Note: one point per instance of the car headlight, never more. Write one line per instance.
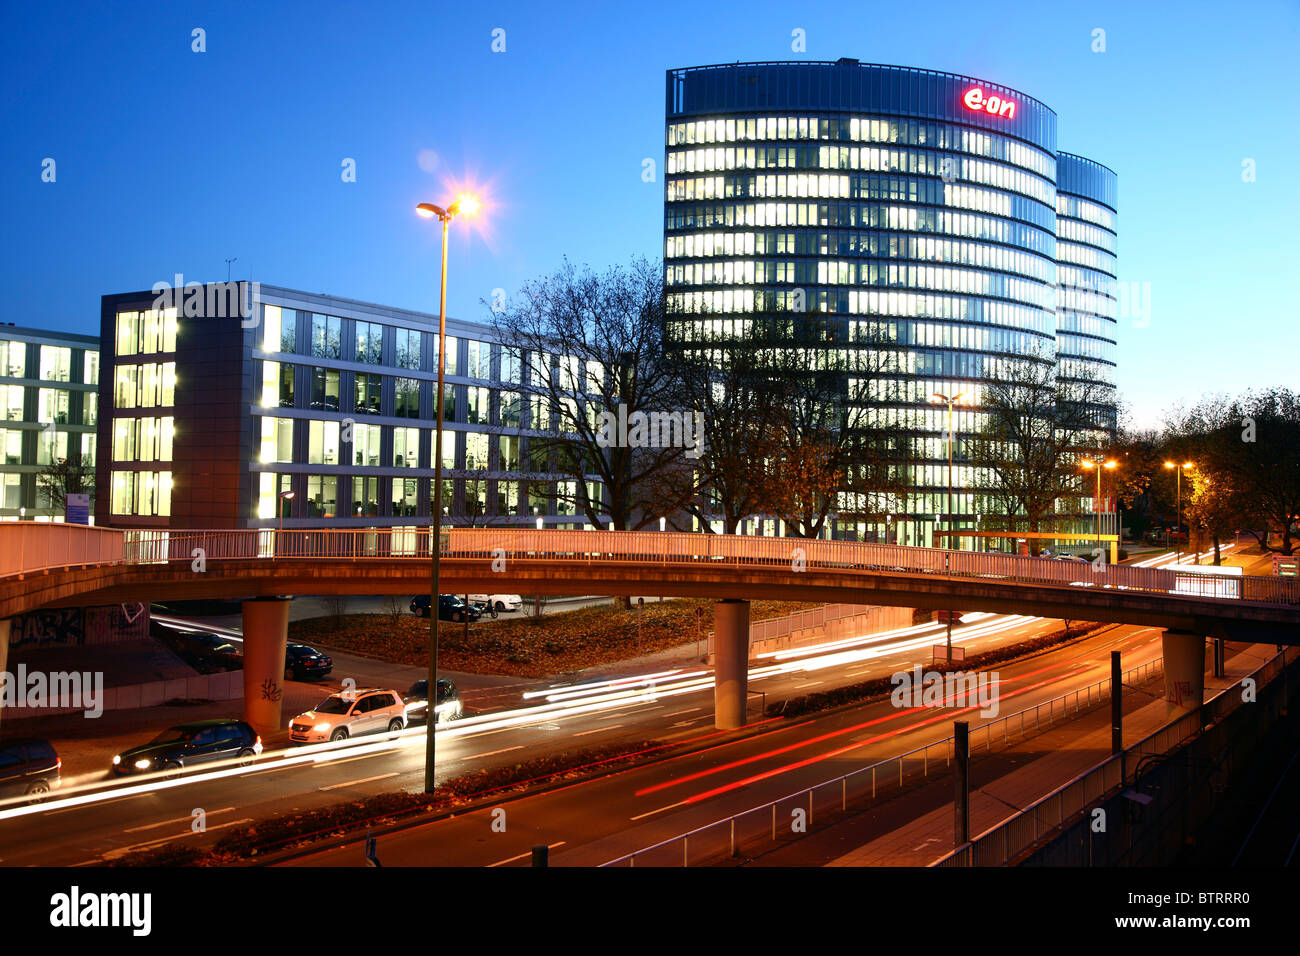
(117, 759)
(142, 763)
(321, 727)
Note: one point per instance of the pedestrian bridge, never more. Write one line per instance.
(59, 565)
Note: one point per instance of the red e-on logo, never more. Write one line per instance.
(975, 100)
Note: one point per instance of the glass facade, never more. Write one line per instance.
(916, 215)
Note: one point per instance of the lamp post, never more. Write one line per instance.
(284, 496)
(1089, 464)
(465, 205)
(1178, 470)
(936, 397)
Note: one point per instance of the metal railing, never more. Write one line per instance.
(727, 837)
(1002, 843)
(27, 547)
(628, 547)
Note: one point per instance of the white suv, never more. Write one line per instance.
(502, 602)
(349, 713)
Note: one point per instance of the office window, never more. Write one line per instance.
(88, 442)
(90, 368)
(52, 405)
(325, 389)
(406, 397)
(277, 440)
(127, 335)
(281, 329)
(141, 493)
(365, 497)
(365, 445)
(406, 447)
(476, 451)
(56, 363)
(448, 402)
(11, 446)
(449, 366)
(13, 358)
(322, 496)
(369, 342)
(323, 443)
(511, 406)
(476, 406)
(367, 392)
(408, 348)
(508, 453)
(286, 386)
(12, 397)
(510, 365)
(478, 358)
(475, 497)
(326, 335)
(51, 446)
(405, 496)
(13, 491)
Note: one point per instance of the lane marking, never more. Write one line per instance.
(101, 803)
(187, 819)
(493, 753)
(597, 730)
(521, 856)
(122, 851)
(642, 816)
(678, 713)
(354, 783)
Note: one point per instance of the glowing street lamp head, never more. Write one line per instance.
(427, 210)
(1110, 464)
(465, 206)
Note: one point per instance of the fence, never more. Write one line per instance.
(1014, 836)
(758, 827)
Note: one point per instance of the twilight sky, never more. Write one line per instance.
(171, 161)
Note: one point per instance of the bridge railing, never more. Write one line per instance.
(651, 547)
(30, 546)
(757, 828)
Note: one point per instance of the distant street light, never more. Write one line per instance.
(1089, 464)
(284, 496)
(1178, 502)
(936, 397)
(467, 206)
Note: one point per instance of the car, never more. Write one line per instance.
(196, 742)
(304, 662)
(416, 701)
(29, 767)
(211, 644)
(349, 713)
(501, 602)
(450, 608)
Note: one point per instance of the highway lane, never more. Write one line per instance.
(667, 707)
(595, 821)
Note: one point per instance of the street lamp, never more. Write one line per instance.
(284, 496)
(1178, 501)
(937, 397)
(467, 206)
(1099, 464)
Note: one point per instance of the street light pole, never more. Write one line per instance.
(468, 206)
(1098, 464)
(1178, 503)
(944, 398)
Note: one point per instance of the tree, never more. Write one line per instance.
(1036, 428)
(590, 344)
(66, 476)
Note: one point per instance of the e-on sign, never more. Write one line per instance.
(975, 100)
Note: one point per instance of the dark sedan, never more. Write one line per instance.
(304, 662)
(450, 608)
(184, 745)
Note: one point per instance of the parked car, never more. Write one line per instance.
(450, 608)
(304, 662)
(197, 742)
(501, 602)
(416, 701)
(348, 714)
(29, 767)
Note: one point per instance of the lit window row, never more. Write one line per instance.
(1075, 207)
(863, 159)
(144, 386)
(141, 493)
(1086, 256)
(866, 130)
(143, 439)
(1079, 300)
(13, 358)
(142, 333)
(1096, 325)
(859, 215)
(1081, 346)
(1077, 231)
(1090, 280)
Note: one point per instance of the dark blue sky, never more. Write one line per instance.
(172, 161)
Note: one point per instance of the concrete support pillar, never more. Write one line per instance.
(266, 629)
(4, 651)
(1184, 654)
(730, 663)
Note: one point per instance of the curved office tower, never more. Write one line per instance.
(912, 217)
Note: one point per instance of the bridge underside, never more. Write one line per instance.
(1218, 618)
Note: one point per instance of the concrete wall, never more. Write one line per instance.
(226, 685)
(865, 620)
